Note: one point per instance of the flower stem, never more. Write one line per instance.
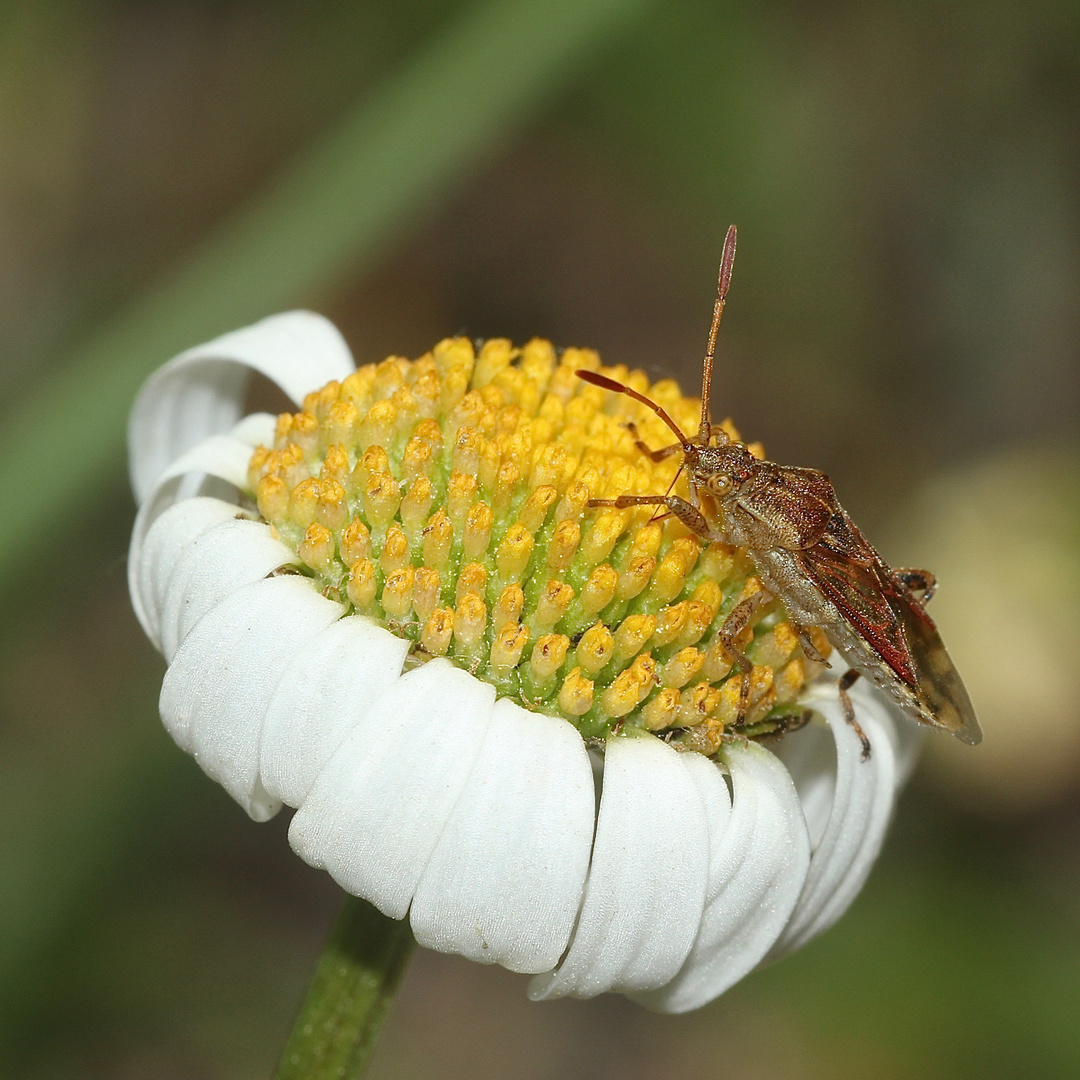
(350, 993)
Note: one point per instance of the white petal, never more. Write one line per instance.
(759, 859)
(222, 456)
(323, 693)
(200, 392)
(861, 806)
(378, 808)
(646, 886)
(151, 563)
(214, 565)
(505, 881)
(908, 739)
(217, 689)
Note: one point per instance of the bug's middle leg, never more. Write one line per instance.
(737, 621)
(844, 684)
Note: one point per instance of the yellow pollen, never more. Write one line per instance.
(507, 647)
(552, 604)
(595, 649)
(633, 632)
(548, 655)
(335, 465)
(472, 579)
(437, 632)
(662, 711)
(438, 536)
(470, 621)
(361, 585)
(576, 694)
(302, 502)
(272, 497)
(599, 590)
(355, 542)
(425, 592)
(397, 593)
(477, 530)
(395, 552)
(514, 552)
(509, 605)
(317, 546)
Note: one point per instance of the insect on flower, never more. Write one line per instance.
(811, 556)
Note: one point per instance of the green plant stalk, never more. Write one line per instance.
(354, 983)
(331, 215)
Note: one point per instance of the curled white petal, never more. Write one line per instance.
(646, 887)
(378, 808)
(151, 563)
(860, 804)
(216, 691)
(223, 457)
(908, 739)
(216, 564)
(200, 392)
(505, 881)
(760, 854)
(328, 687)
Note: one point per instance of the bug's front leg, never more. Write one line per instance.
(845, 683)
(916, 581)
(643, 447)
(686, 512)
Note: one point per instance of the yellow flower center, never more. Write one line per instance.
(448, 498)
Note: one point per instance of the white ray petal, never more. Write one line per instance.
(214, 565)
(200, 392)
(222, 456)
(216, 691)
(151, 563)
(378, 808)
(325, 691)
(505, 881)
(646, 887)
(760, 854)
(862, 803)
(908, 739)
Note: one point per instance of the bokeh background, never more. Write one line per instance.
(904, 315)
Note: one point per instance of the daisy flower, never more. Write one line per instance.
(498, 712)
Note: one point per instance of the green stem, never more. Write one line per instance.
(356, 978)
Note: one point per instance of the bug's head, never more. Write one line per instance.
(718, 470)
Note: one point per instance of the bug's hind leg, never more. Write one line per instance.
(916, 581)
(845, 683)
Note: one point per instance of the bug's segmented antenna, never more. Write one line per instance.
(620, 388)
(727, 261)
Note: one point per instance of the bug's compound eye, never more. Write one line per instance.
(719, 484)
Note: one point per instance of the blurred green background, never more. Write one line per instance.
(904, 315)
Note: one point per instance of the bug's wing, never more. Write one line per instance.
(859, 592)
(941, 692)
(886, 616)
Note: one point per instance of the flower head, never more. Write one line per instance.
(500, 711)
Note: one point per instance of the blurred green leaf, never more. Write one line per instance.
(333, 213)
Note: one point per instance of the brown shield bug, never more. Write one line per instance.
(810, 555)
